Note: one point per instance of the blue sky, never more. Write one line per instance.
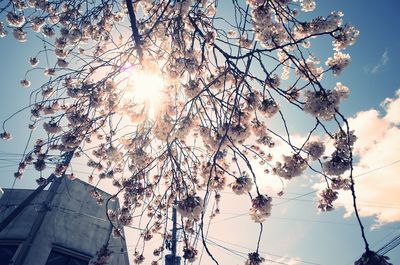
(296, 229)
(377, 22)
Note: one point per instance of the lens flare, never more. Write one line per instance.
(146, 89)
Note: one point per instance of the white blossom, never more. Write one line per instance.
(15, 20)
(190, 254)
(326, 199)
(315, 149)
(254, 259)
(62, 63)
(269, 107)
(338, 62)
(37, 23)
(323, 104)
(5, 136)
(33, 61)
(51, 127)
(48, 31)
(25, 83)
(293, 166)
(3, 32)
(102, 257)
(308, 5)
(190, 207)
(19, 34)
(50, 72)
(242, 185)
(345, 37)
(339, 161)
(261, 208)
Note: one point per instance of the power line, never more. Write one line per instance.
(390, 234)
(207, 239)
(244, 255)
(296, 220)
(241, 254)
(266, 253)
(356, 176)
(389, 246)
(378, 168)
(233, 251)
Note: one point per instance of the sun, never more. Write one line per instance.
(146, 88)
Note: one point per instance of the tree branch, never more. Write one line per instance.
(135, 31)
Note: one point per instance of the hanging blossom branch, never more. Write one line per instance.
(227, 77)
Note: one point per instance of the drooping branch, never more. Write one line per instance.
(352, 188)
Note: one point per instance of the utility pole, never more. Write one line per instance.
(173, 259)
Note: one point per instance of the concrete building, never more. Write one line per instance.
(62, 226)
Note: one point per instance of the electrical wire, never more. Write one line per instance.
(389, 246)
(265, 253)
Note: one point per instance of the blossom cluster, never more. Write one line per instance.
(190, 207)
(324, 104)
(326, 199)
(261, 208)
(338, 62)
(340, 159)
(372, 258)
(189, 254)
(242, 185)
(254, 259)
(293, 166)
(315, 149)
(102, 257)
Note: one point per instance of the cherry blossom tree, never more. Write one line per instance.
(173, 101)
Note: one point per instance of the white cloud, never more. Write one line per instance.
(378, 145)
(275, 259)
(293, 261)
(374, 69)
(392, 107)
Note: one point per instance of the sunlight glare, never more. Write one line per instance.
(146, 87)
